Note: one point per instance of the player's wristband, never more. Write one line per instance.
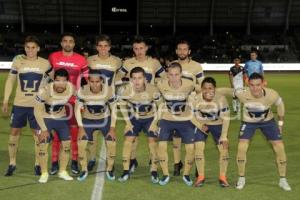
(280, 123)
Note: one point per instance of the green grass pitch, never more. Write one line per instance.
(262, 178)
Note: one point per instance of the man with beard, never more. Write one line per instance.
(50, 114)
(76, 65)
(191, 70)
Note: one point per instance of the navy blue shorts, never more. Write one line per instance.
(140, 125)
(268, 128)
(185, 129)
(60, 126)
(91, 125)
(214, 130)
(20, 115)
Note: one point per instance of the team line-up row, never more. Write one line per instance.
(176, 103)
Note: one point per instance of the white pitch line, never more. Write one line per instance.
(100, 176)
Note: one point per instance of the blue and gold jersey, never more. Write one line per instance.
(95, 105)
(152, 67)
(210, 112)
(107, 67)
(175, 106)
(30, 76)
(139, 104)
(192, 70)
(54, 102)
(258, 109)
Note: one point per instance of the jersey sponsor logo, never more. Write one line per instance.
(66, 64)
(31, 69)
(173, 97)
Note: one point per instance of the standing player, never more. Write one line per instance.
(51, 115)
(153, 70)
(212, 115)
(257, 114)
(108, 65)
(29, 71)
(138, 106)
(253, 65)
(76, 66)
(104, 62)
(97, 100)
(191, 70)
(152, 67)
(236, 77)
(176, 115)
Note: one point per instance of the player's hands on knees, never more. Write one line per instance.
(204, 128)
(43, 136)
(153, 128)
(112, 133)
(224, 143)
(128, 127)
(81, 133)
(5, 107)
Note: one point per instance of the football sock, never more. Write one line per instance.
(177, 149)
(199, 157)
(163, 157)
(82, 154)
(64, 155)
(241, 157)
(13, 144)
(189, 158)
(153, 155)
(280, 158)
(110, 154)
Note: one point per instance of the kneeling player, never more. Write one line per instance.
(212, 115)
(257, 114)
(50, 114)
(138, 108)
(176, 115)
(97, 101)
